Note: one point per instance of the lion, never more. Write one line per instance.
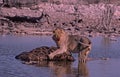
(71, 43)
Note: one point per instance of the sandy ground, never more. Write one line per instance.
(76, 19)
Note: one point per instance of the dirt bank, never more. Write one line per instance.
(82, 19)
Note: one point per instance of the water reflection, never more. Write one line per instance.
(63, 68)
(106, 42)
(60, 68)
(82, 70)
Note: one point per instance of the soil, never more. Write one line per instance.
(41, 19)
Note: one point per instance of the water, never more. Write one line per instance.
(10, 46)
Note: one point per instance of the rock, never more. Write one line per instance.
(105, 58)
(41, 54)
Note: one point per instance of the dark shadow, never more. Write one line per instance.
(24, 19)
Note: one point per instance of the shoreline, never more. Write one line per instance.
(110, 35)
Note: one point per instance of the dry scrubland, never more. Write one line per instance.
(76, 18)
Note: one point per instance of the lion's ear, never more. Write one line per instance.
(53, 31)
(62, 31)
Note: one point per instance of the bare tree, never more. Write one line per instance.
(107, 17)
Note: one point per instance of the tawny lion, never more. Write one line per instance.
(71, 43)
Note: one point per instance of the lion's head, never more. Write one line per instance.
(58, 33)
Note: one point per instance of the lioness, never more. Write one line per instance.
(71, 43)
